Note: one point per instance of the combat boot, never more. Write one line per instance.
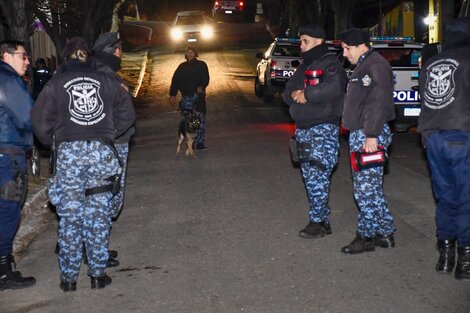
(315, 230)
(100, 282)
(10, 279)
(446, 261)
(462, 271)
(359, 244)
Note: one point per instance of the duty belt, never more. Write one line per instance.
(12, 150)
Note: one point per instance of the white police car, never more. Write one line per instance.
(403, 54)
(278, 64)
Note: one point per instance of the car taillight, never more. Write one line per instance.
(273, 64)
(217, 4)
(272, 70)
(241, 3)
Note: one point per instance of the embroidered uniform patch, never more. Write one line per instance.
(440, 85)
(366, 81)
(85, 104)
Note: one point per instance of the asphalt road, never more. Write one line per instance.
(218, 232)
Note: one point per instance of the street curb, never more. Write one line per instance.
(36, 216)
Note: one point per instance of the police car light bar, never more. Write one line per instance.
(391, 39)
(285, 39)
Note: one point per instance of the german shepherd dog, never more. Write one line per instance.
(187, 132)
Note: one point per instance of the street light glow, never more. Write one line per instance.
(429, 19)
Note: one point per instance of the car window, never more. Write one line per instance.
(287, 51)
(407, 57)
(190, 20)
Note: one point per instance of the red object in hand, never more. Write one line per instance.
(362, 160)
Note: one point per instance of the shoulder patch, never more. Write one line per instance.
(331, 70)
(366, 80)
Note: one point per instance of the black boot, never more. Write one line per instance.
(315, 230)
(462, 271)
(100, 282)
(446, 261)
(384, 241)
(10, 279)
(359, 244)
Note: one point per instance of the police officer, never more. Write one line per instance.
(107, 55)
(15, 138)
(444, 123)
(191, 79)
(315, 96)
(85, 110)
(368, 106)
(41, 74)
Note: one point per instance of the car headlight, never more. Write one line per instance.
(176, 34)
(207, 32)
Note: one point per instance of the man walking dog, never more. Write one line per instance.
(191, 79)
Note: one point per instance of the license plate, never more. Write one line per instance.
(285, 73)
(192, 40)
(228, 12)
(412, 111)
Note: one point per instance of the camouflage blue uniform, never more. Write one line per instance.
(374, 215)
(83, 219)
(324, 146)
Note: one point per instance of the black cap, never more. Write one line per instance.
(312, 30)
(106, 40)
(74, 44)
(457, 31)
(355, 36)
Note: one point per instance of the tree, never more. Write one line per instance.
(18, 17)
(64, 19)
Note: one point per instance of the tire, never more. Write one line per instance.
(259, 89)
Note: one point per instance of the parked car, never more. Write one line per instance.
(403, 53)
(191, 27)
(227, 8)
(278, 64)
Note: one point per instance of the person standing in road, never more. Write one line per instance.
(107, 54)
(444, 124)
(368, 107)
(191, 78)
(315, 104)
(16, 137)
(80, 112)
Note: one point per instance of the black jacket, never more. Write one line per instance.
(444, 84)
(80, 103)
(368, 104)
(188, 77)
(325, 100)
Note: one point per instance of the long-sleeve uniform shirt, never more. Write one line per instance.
(324, 101)
(368, 104)
(80, 103)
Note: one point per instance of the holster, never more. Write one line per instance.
(15, 190)
(115, 179)
(300, 153)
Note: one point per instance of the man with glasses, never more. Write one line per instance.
(15, 139)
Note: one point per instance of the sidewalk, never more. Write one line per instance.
(37, 213)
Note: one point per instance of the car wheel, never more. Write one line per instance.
(259, 89)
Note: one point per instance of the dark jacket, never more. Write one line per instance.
(325, 100)
(188, 77)
(15, 106)
(444, 84)
(368, 104)
(80, 103)
(109, 63)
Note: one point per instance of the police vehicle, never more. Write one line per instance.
(278, 64)
(403, 54)
(228, 8)
(191, 27)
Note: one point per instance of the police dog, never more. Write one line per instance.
(187, 132)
